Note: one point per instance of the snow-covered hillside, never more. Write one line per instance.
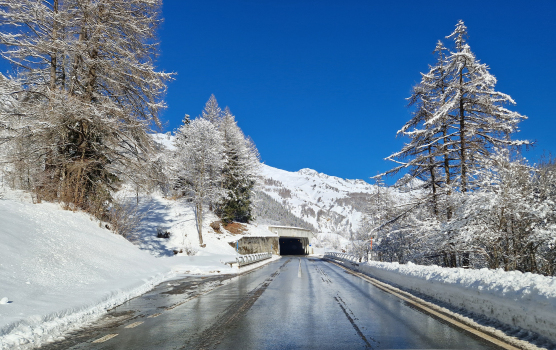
(307, 198)
(177, 218)
(329, 203)
(315, 201)
(61, 269)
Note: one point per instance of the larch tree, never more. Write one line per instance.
(474, 109)
(89, 94)
(198, 157)
(426, 156)
(212, 111)
(458, 120)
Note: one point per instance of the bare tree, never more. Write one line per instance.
(89, 92)
(198, 165)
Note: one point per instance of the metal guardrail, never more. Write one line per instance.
(249, 259)
(252, 258)
(347, 258)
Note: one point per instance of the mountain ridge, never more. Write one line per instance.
(328, 203)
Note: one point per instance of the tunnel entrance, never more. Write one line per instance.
(292, 246)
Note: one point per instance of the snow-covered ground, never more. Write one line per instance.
(61, 269)
(332, 242)
(178, 218)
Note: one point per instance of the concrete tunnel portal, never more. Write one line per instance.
(293, 240)
(288, 241)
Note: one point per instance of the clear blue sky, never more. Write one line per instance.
(322, 84)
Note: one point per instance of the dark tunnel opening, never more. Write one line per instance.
(291, 246)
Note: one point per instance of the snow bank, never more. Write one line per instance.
(59, 270)
(523, 300)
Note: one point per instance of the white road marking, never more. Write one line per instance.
(133, 325)
(105, 338)
(155, 315)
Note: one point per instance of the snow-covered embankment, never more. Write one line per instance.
(524, 300)
(60, 270)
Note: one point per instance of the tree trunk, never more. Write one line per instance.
(433, 180)
(55, 53)
(463, 146)
(200, 222)
(447, 179)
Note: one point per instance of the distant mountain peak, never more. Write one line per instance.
(328, 203)
(309, 172)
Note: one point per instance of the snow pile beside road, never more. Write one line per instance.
(523, 300)
(59, 270)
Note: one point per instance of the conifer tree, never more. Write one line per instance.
(458, 119)
(239, 171)
(212, 111)
(474, 110)
(426, 156)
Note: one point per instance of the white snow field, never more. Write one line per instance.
(523, 300)
(331, 242)
(60, 269)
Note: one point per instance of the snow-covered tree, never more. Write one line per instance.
(458, 120)
(240, 171)
(426, 156)
(198, 165)
(89, 92)
(212, 111)
(474, 109)
(509, 221)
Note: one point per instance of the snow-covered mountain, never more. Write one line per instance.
(328, 203)
(319, 202)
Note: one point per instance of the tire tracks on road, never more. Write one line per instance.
(213, 335)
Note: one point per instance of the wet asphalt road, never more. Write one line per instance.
(291, 303)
